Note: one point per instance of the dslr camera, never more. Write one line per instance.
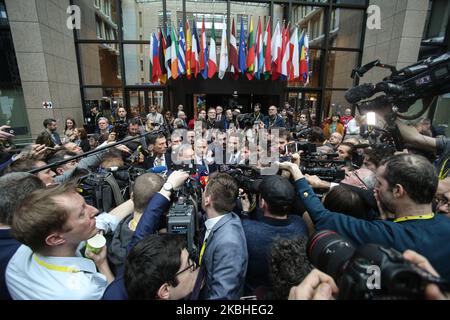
(370, 272)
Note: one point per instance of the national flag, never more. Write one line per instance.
(181, 52)
(203, 52)
(285, 53)
(150, 69)
(212, 60)
(242, 59)
(267, 52)
(304, 58)
(188, 50)
(223, 62)
(195, 68)
(155, 70)
(295, 57)
(167, 54)
(162, 50)
(250, 68)
(276, 52)
(234, 67)
(259, 53)
(174, 54)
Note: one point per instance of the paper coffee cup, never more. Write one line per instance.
(95, 244)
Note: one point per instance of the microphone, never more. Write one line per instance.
(361, 146)
(157, 169)
(360, 92)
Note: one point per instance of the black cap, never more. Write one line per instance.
(277, 191)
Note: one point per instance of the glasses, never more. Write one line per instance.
(192, 265)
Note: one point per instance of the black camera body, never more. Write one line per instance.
(328, 174)
(181, 219)
(184, 214)
(305, 147)
(427, 78)
(246, 120)
(370, 272)
(121, 129)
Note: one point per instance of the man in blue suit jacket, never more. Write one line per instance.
(274, 120)
(223, 255)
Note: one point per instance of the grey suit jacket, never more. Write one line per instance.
(225, 259)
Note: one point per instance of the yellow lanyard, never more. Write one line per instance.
(132, 225)
(421, 217)
(202, 251)
(54, 267)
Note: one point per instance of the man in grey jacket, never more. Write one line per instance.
(223, 255)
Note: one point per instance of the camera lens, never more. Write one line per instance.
(329, 252)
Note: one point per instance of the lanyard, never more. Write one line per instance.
(202, 251)
(421, 217)
(54, 267)
(132, 225)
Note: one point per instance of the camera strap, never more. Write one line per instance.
(409, 218)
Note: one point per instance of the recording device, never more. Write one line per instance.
(184, 214)
(305, 147)
(17, 130)
(121, 129)
(327, 174)
(427, 78)
(302, 133)
(246, 120)
(247, 177)
(355, 269)
(181, 219)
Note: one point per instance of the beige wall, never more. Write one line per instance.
(46, 59)
(398, 41)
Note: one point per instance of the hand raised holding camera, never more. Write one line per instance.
(4, 134)
(177, 178)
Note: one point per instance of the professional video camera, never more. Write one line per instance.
(328, 174)
(354, 269)
(109, 188)
(296, 147)
(301, 134)
(247, 177)
(121, 129)
(425, 79)
(184, 214)
(246, 120)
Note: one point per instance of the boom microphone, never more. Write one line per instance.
(360, 92)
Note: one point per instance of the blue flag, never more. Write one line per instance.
(205, 57)
(242, 47)
(180, 53)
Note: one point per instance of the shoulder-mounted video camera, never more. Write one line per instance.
(427, 78)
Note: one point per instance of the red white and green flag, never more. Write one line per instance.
(212, 59)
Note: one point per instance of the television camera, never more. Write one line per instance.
(425, 80)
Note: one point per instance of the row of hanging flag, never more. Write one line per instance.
(264, 56)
